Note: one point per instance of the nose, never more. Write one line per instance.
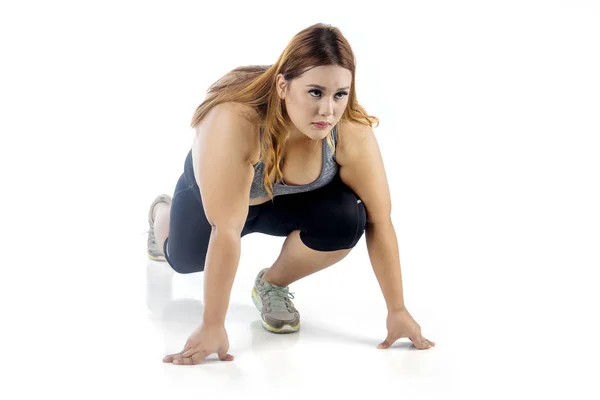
(326, 108)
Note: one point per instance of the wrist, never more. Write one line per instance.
(213, 321)
(396, 308)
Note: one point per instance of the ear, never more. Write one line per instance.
(282, 86)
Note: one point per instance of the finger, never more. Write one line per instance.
(183, 361)
(420, 342)
(416, 340)
(389, 340)
(189, 353)
(170, 357)
(194, 359)
(180, 359)
(223, 355)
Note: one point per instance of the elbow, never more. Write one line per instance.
(226, 229)
(379, 220)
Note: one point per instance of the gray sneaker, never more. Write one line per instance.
(154, 252)
(276, 308)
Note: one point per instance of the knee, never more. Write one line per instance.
(182, 261)
(185, 267)
(182, 268)
(340, 227)
(349, 221)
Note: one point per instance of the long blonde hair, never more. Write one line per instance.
(255, 86)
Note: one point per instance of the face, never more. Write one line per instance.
(307, 103)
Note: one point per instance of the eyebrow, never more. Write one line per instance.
(322, 88)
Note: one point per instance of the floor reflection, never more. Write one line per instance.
(176, 317)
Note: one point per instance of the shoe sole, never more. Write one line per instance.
(156, 258)
(287, 328)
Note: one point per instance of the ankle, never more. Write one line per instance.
(273, 280)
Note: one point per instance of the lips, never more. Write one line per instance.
(321, 124)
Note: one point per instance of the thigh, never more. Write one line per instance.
(278, 217)
(329, 218)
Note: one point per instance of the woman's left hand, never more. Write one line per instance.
(401, 324)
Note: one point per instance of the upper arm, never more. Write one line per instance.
(221, 167)
(362, 169)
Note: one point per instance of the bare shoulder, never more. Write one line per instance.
(242, 115)
(249, 130)
(350, 139)
(236, 123)
(247, 118)
(244, 112)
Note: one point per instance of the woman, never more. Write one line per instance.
(284, 150)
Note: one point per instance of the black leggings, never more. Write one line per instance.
(329, 218)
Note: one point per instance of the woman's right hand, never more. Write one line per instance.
(204, 341)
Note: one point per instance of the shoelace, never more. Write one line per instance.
(277, 296)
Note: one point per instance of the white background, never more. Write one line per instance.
(490, 116)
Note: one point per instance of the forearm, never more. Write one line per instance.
(382, 246)
(220, 267)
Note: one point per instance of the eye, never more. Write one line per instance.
(318, 91)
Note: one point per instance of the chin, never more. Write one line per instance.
(320, 133)
(323, 134)
(315, 136)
